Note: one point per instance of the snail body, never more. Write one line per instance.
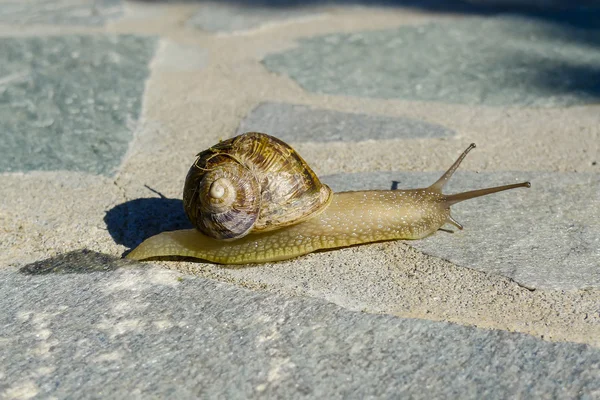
(335, 219)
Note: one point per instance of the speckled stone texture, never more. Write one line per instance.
(297, 123)
(62, 12)
(494, 61)
(152, 332)
(70, 102)
(105, 103)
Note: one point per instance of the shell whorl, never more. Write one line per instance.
(230, 200)
(252, 182)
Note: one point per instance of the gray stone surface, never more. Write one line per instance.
(492, 61)
(69, 12)
(70, 102)
(80, 324)
(298, 123)
(146, 331)
(223, 17)
(543, 237)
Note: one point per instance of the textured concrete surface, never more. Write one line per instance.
(296, 123)
(145, 331)
(508, 307)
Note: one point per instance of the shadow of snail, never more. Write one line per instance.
(253, 199)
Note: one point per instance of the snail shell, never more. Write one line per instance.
(251, 183)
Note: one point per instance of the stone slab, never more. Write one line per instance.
(146, 331)
(70, 102)
(223, 17)
(298, 123)
(544, 237)
(517, 61)
(61, 12)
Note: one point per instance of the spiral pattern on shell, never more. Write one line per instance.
(231, 200)
(252, 182)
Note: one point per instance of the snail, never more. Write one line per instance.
(253, 199)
